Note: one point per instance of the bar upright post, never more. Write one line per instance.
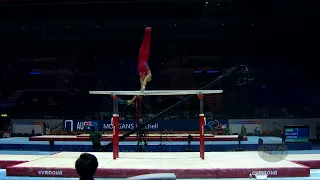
(115, 123)
(138, 110)
(201, 115)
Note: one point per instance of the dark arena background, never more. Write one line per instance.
(261, 57)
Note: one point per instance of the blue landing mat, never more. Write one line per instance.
(23, 144)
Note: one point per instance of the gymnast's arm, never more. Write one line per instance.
(128, 102)
(132, 100)
(123, 101)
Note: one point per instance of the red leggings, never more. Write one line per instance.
(144, 52)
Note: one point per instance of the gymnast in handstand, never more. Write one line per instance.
(143, 67)
(144, 55)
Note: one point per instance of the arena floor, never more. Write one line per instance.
(185, 165)
(314, 175)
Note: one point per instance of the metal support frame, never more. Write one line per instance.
(202, 123)
(115, 123)
(138, 109)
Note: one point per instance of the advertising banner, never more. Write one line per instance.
(161, 125)
(81, 125)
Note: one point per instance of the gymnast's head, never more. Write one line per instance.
(86, 166)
